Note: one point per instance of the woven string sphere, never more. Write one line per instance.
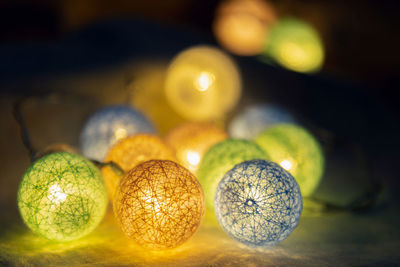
(159, 204)
(107, 126)
(191, 141)
(203, 83)
(221, 158)
(130, 152)
(258, 203)
(296, 45)
(255, 119)
(297, 151)
(62, 196)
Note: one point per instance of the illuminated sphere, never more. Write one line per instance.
(296, 45)
(130, 152)
(254, 119)
(62, 196)
(192, 140)
(108, 125)
(203, 83)
(297, 151)
(159, 204)
(241, 26)
(221, 158)
(258, 203)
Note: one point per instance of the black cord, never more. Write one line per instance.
(17, 113)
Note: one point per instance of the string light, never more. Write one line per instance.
(130, 152)
(254, 119)
(109, 125)
(62, 196)
(258, 203)
(297, 151)
(202, 83)
(221, 158)
(192, 140)
(159, 204)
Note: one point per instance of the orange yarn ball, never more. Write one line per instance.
(192, 140)
(130, 152)
(159, 204)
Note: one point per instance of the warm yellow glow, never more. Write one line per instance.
(120, 133)
(159, 204)
(132, 151)
(202, 84)
(286, 164)
(192, 140)
(241, 26)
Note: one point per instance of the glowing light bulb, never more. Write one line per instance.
(159, 204)
(202, 83)
(190, 141)
(257, 118)
(221, 158)
(241, 26)
(297, 151)
(109, 125)
(130, 152)
(296, 45)
(62, 196)
(258, 203)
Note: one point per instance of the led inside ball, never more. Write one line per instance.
(108, 125)
(130, 152)
(297, 151)
(296, 45)
(191, 141)
(241, 26)
(203, 83)
(221, 158)
(62, 196)
(258, 203)
(255, 119)
(159, 204)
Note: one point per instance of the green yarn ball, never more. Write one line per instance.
(297, 151)
(62, 196)
(222, 157)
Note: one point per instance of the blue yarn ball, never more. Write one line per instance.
(108, 125)
(258, 203)
(254, 119)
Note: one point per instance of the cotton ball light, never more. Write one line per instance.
(256, 118)
(222, 157)
(130, 152)
(62, 196)
(297, 151)
(159, 204)
(108, 125)
(203, 83)
(191, 141)
(296, 45)
(258, 203)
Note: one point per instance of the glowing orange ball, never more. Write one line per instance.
(192, 140)
(159, 204)
(130, 152)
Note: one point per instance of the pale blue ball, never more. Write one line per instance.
(254, 119)
(258, 203)
(108, 125)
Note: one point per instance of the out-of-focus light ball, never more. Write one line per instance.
(159, 204)
(241, 26)
(203, 83)
(108, 125)
(191, 141)
(254, 119)
(221, 158)
(297, 151)
(296, 45)
(57, 147)
(130, 152)
(62, 196)
(258, 203)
